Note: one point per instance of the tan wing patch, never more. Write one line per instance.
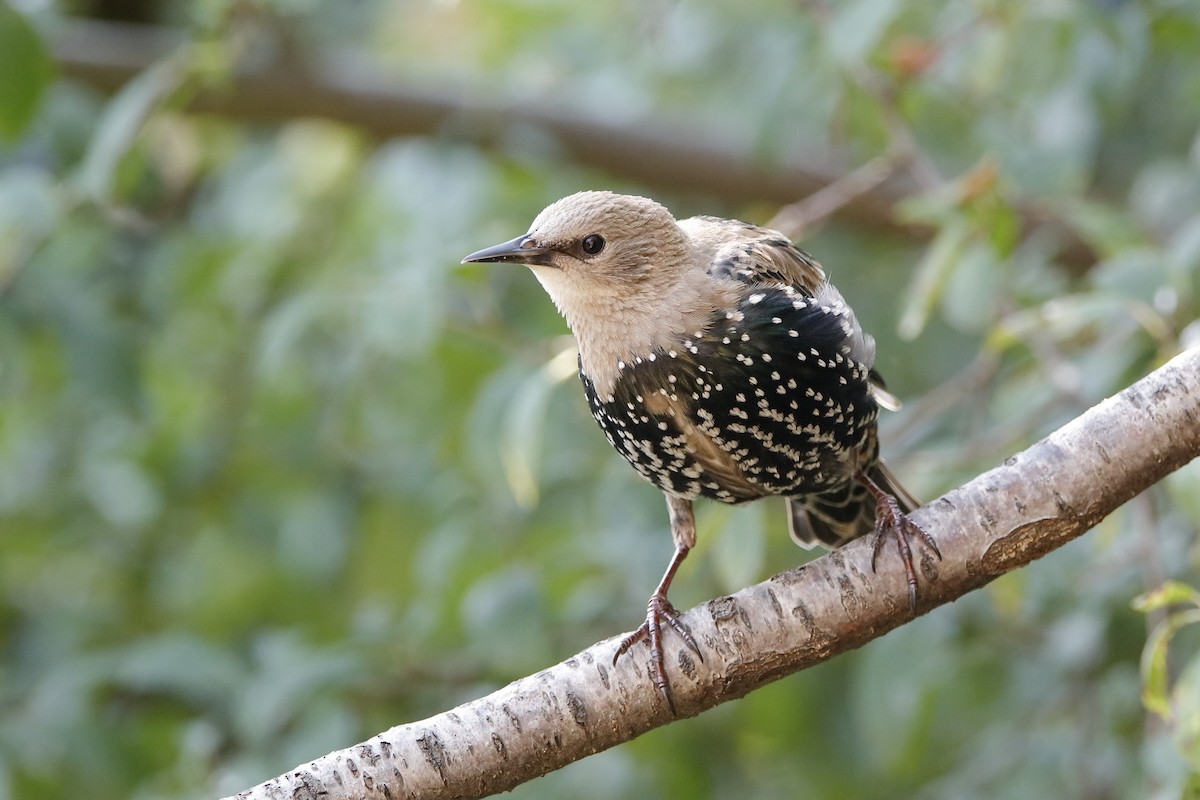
(715, 461)
(771, 258)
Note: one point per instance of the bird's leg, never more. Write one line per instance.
(890, 520)
(659, 608)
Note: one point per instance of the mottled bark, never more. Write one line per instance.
(1036, 501)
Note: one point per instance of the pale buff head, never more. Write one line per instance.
(620, 269)
(592, 246)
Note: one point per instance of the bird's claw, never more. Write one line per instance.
(891, 521)
(658, 609)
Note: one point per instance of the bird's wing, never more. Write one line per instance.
(754, 255)
(862, 344)
(762, 257)
(883, 398)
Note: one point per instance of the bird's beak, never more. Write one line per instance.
(522, 250)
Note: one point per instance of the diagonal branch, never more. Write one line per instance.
(1036, 501)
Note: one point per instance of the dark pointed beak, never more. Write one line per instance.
(521, 250)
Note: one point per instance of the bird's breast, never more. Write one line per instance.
(764, 400)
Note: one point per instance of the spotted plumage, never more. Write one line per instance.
(720, 363)
(747, 407)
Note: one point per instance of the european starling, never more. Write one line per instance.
(720, 363)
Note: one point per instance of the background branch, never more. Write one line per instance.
(343, 87)
(1036, 501)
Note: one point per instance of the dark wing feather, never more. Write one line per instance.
(764, 257)
(833, 519)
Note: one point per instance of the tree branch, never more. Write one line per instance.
(344, 87)
(1036, 501)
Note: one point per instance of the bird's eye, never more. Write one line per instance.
(592, 244)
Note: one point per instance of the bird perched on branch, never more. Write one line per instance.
(720, 363)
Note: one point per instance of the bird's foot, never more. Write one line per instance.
(891, 522)
(658, 610)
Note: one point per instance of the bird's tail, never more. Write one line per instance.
(837, 517)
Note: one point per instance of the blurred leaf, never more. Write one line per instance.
(123, 494)
(1065, 128)
(1165, 196)
(314, 533)
(930, 277)
(1062, 319)
(1106, 229)
(521, 435)
(288, 673)
(1169, 594)
(1134, 272)
(29, 209)
(1185, 712)
(123, 119)
(1156, 692)
(182, 666)
(739, 546)
(857, 28)
(972, 287)
(1183, 254)
(1154, 671)
(1184, 488)
(897, 691)
(26, 68)
(504, 614)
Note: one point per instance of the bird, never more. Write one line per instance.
(720, 363)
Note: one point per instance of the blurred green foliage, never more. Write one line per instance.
(276, 473)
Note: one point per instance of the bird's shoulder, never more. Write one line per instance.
(752, 255)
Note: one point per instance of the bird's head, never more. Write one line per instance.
(622, 271)
(594, 247)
